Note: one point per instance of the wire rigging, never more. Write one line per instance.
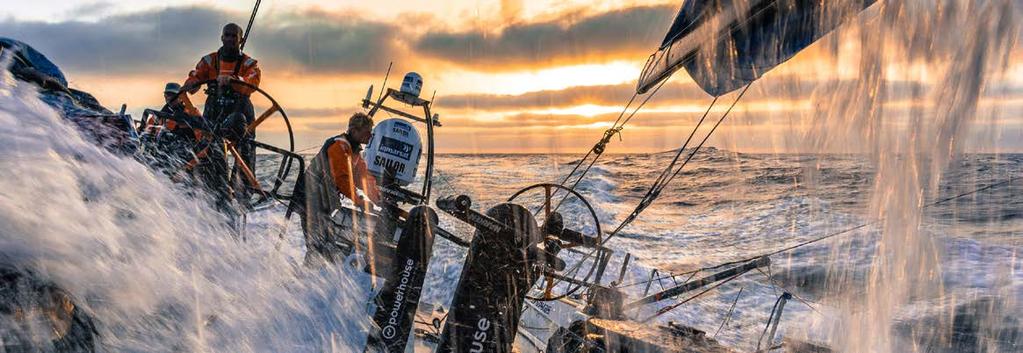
(599, 148)
(728, 316)
(661, 182)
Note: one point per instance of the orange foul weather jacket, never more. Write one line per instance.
(214, 65)
(340, 168)
(337, 169)
(185, 107)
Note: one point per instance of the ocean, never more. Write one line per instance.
(160, 270)
(728, 206)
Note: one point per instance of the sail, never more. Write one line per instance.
(726, 44)
(28, 56)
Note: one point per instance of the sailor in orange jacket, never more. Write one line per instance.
(170, 143)
(176, 104)
(337, 170)
(223, 103)
(226, 64)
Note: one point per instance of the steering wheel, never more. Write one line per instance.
(540, 199)
(288, 155)
(275, 108)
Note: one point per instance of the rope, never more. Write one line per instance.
(595, 149)
(769, 320)
(310, 148)
(658, 88)
(770, 278)
(728, 316)
(598, 149)
(658, 278)
(660, 183)
(1003, 182)
(659, 186)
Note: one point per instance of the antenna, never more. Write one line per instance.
(384, 86)
(248, 28)
(369, 95)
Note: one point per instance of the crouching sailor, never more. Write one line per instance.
(170, 141)
(337, 170)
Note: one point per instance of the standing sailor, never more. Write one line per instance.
(226, 64)
(224, 103)
(338, 169)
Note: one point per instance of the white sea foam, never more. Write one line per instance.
(158, 270)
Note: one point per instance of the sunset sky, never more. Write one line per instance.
(510, 76)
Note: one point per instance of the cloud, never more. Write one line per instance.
(336, 127)
(320, 112)
(606, 94)
(172, 40)
(511, 10)
(673, 92)
(145, 42)
(627, 33)
(90, 9)
(329, 43)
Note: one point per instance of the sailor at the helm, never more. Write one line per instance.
(337, 170)
(227, 105)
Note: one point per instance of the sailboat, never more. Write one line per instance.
(554, 295)
(536, 280)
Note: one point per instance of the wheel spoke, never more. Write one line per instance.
(262, 117)
(546, 204)
(581, 268)
(548, 293)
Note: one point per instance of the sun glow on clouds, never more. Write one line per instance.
(586, 110)
(514, 83)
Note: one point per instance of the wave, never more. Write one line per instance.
(157, 269)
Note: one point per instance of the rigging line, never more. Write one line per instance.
(310, 148)
(657, 188)
(248, 28)
(1003, 182)
(669, 308)
(651, 95)
(651, 279)
(577, 165)
(615, 127)
(627, 105)
(665, 276)
(728, 316)
(705, 138)
(770, 319)
(786, 290)
(681, 150)
(653, 194)
(655, 191)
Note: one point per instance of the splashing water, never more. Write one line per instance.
(157, 269)
(952, 49)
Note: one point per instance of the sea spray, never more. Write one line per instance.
(156, 267)
(945, 50)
